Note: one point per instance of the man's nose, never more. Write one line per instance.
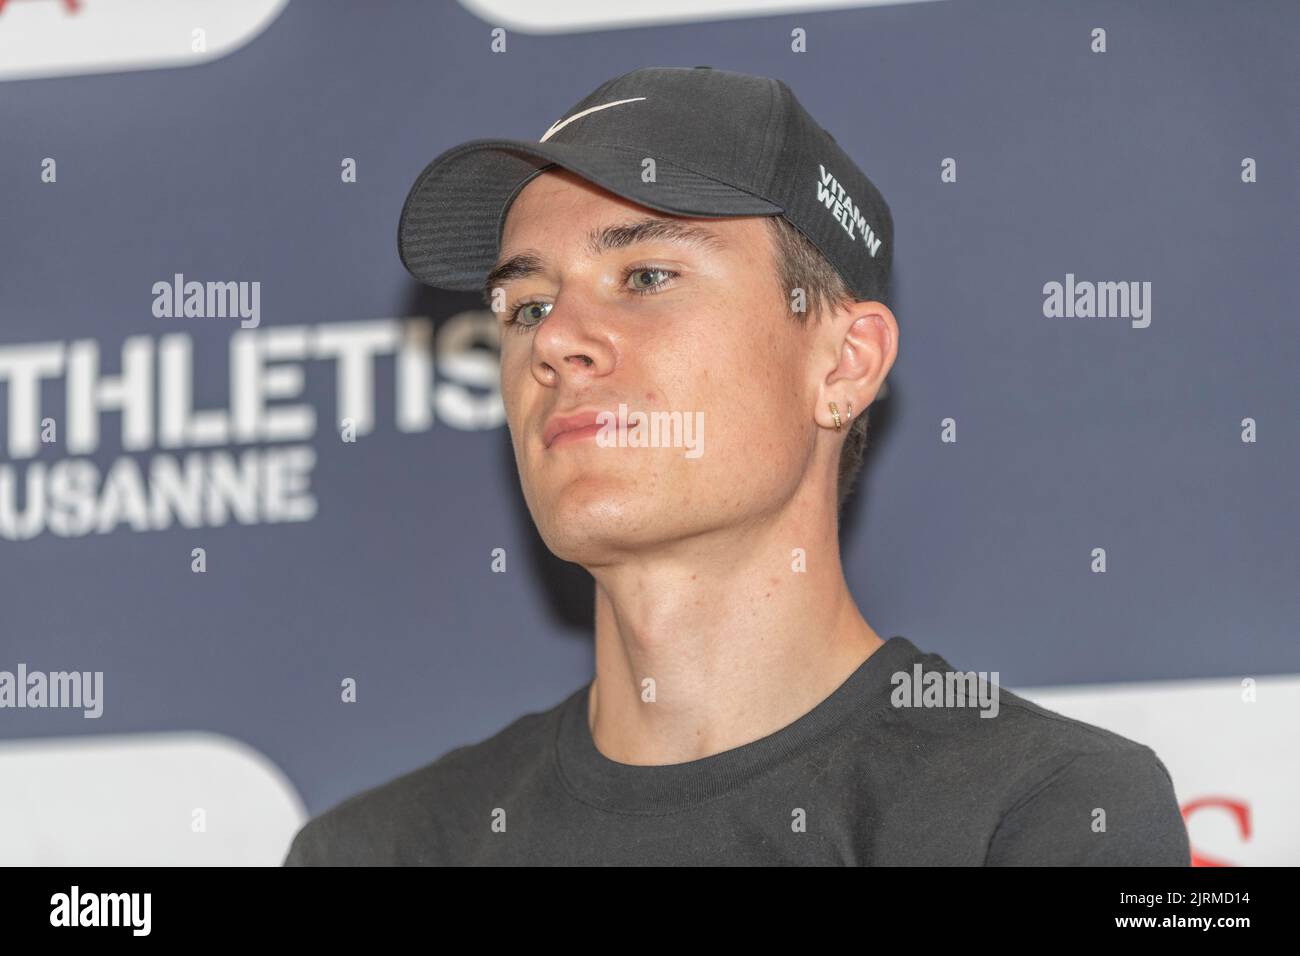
(573, 341)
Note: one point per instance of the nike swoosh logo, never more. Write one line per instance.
(555, 128)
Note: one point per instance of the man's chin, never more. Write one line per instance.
(591, 515)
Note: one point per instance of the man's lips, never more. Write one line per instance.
(573, 427)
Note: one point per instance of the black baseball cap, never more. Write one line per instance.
(722, 144)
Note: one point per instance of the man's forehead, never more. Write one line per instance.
(530, 256)
(621, 233)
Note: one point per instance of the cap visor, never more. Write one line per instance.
(450, 228)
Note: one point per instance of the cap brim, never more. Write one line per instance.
(450, 230)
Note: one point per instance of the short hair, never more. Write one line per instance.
(801, 265)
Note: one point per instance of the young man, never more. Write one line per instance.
(692, 242)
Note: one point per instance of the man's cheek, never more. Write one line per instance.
(512, 373)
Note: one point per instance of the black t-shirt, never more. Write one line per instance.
(858, 780)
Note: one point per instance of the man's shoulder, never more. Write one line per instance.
(1066, 790)
(1008, 726)
(408, 819)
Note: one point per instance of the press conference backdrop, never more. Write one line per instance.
(261, 547)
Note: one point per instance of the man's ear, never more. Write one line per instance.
(864, 340)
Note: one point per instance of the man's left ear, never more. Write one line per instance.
(865, 338)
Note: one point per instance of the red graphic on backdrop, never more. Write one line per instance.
(1240, 811)
(69, 6)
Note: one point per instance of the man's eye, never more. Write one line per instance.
(527, 313)
(642, 280)
(636, 276)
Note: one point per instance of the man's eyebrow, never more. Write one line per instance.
(519, 266)
(651, 230)
(603, 239)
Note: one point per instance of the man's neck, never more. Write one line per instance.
(717, 645)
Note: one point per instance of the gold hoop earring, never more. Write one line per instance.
(836, 413)
(849, 417)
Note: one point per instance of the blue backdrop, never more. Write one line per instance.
(1072, 433)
